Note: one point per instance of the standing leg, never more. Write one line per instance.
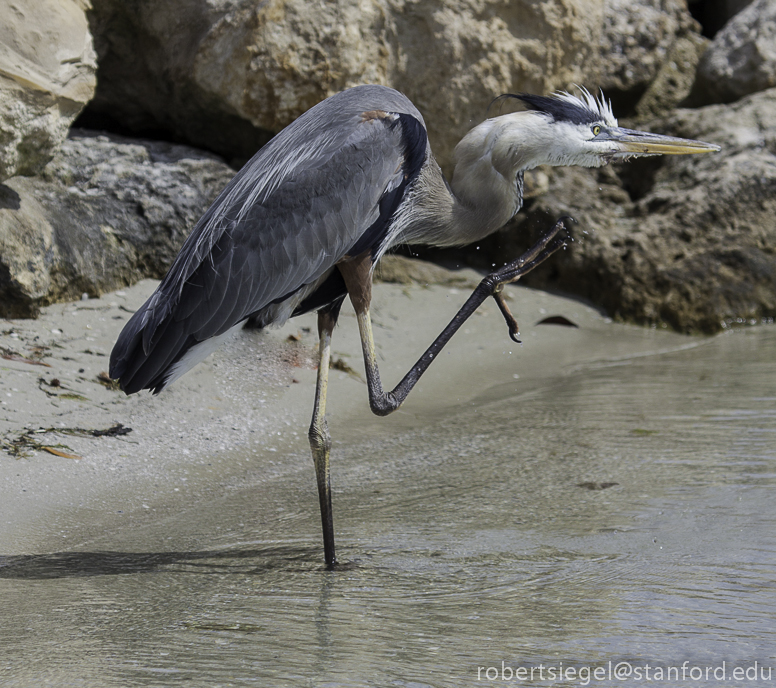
(320, 440)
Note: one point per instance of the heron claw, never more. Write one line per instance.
(514, 328)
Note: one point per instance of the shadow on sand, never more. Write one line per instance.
(224, 561)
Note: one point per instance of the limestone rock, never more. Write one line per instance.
(742, 58)
(104, 214)
(674, 80)
(223, 75)
(47, 75)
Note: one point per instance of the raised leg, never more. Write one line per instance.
(357, 275)
(320, 441)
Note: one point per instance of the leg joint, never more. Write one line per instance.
(383, 404)
(490, 284)
(319, 437)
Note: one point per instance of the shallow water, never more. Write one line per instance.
(621, 512)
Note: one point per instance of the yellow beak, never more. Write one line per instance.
(629, 142)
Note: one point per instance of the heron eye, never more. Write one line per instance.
(596, 130)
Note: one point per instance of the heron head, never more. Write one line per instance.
(563, 129)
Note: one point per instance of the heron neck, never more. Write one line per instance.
(481, 208)
(440, 214)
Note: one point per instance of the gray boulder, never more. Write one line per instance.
(47, 75)
(714, 14)
(741, 59)
(104, 214)
(638, 39)
(674, 80)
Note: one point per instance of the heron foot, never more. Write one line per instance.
(551, 241)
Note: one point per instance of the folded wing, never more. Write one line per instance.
(296, 209)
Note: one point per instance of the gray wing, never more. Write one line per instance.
(286, 218)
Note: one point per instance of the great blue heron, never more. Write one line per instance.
(303, 223)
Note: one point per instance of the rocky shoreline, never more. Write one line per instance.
(175, 107)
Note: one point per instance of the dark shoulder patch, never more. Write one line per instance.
(414, 141)
(560, 110)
